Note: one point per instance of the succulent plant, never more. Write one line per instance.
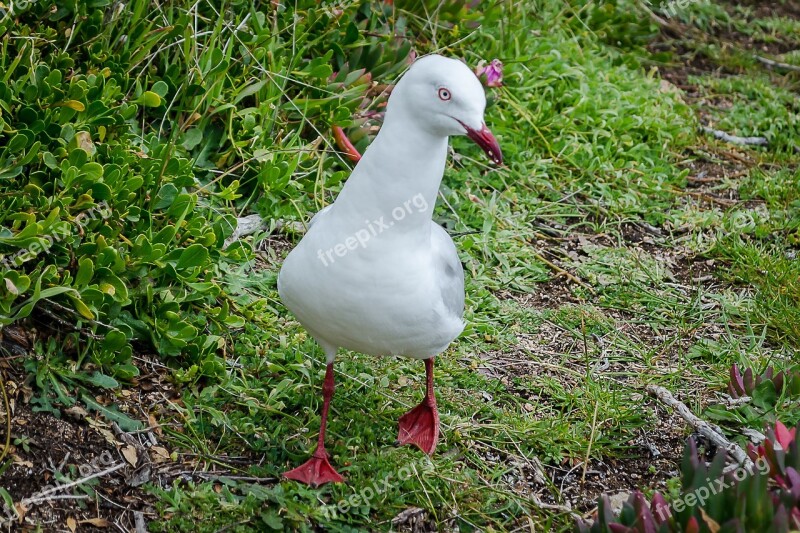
(745, 384)
(763, 397)
(712, 500)
(781, 451)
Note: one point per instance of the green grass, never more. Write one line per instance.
(204, 113)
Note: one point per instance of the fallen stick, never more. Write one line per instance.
(701, 426)
(218, 477)
(29, 501)
(777, 64)
(735, 139)
(41, 495)
(246, 226)
(253, 223)
(556, 507)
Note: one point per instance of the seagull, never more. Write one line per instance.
(373, 273)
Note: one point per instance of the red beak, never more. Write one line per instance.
(485, 140)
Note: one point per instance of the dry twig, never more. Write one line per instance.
(777, 64)
(735, 139)
(701, 426)
(44, 495)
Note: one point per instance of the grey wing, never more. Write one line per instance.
(449, 271)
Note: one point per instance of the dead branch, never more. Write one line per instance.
(735, 139)
(253, 223)
(41, 496)
(556, 507)
(701, 426)
(561, 272)
(55, 497)
(777, 64)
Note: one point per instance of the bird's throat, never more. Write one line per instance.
(398, 177)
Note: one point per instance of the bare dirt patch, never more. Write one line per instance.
(73, 469)
(653, 459)
(554, 292)
(52, 452)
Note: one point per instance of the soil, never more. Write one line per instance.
(70, 469)
(52, 450)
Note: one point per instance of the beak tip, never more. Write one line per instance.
(487, 141)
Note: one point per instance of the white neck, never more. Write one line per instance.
(403, 165)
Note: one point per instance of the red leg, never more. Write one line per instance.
(420, 426)
(317, 470)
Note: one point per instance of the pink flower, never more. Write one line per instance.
(492, 74)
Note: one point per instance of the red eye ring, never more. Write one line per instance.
(444, 94)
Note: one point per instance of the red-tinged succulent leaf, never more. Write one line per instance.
(762, 452)
(366, 78)
(793, 483)
(689, 464)
(749, 382)
(344, 144)
(628, 514)
(619, 528)
(778, 380)
(793, 452)
(645, 523)
(660, 509)
(780, 520)
(692, 526)
(736, 385)
(716, 467)
(774, 456)
(753, 452)
(783, 435)
(795, 518)
(745, 383)
(604, 512)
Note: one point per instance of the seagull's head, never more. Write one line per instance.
(446, 98)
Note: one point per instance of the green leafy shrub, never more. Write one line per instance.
(129, 140)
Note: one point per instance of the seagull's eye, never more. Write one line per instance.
(444, 94)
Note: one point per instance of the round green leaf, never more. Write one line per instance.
(150, 99)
